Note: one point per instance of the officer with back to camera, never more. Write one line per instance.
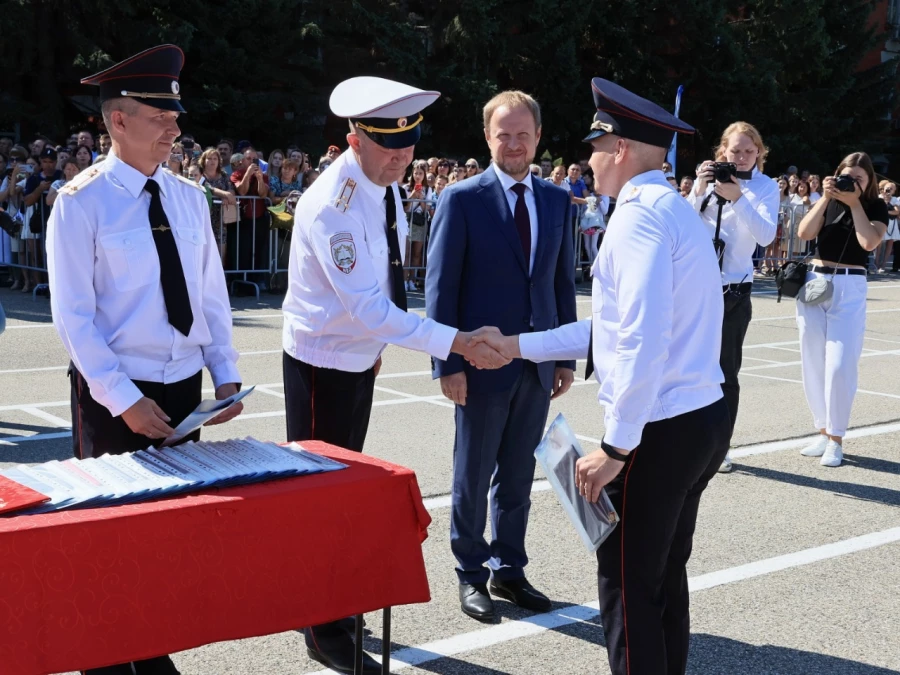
(654, 338)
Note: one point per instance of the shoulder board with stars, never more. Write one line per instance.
(188, 181)
(80, 180)
(632, 195)
(342, 201)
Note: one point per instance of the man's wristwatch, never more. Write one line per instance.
(612, 452)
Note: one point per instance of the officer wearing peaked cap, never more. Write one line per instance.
(137, 287)
(653, 340)
(346, 298)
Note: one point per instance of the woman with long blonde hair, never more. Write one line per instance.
(749, 202)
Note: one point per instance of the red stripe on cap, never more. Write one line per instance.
(93, 79)
(168, 76)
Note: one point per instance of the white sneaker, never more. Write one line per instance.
(726, 465)
(834, 454)
(816, 448)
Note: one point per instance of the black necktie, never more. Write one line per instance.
(523, 221)
(171, 273)
(395, 262)
(589, 368)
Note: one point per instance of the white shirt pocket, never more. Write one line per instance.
(190, 241)
(131, 257)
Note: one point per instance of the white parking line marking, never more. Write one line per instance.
(15, 440)
(22, 406)
(47, 417)
(443, 501)
(782, 364)
(787, 379)
(535, 625)
(794, 316)
(13, 371)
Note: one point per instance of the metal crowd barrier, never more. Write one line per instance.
(249, 245)
(25, 252)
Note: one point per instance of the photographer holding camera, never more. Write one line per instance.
(850, 221)
(739, 205)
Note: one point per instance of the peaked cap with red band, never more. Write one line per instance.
(151, 77)
(625, 114)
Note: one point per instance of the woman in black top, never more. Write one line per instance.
(850, 221)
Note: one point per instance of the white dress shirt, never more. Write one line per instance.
(657, 314)
(105, 289)
(507, 182)
(749, 221)
(341, 316)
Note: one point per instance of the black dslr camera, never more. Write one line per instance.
(845, 183)
(724, 171)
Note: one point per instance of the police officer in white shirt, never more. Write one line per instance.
(346, 298)
(654, 341)
(748, 217)
(137, 288)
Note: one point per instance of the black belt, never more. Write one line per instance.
(836, 270)
(745, 287)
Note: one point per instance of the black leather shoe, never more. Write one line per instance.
(349, 625)
(337, 654)
(161, 665)
(521, 593)
(476, 602)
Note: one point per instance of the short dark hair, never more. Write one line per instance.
(226, 141)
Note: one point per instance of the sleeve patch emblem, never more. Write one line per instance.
(343, 251)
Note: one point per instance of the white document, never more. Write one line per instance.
(202, 414)
(557, 454)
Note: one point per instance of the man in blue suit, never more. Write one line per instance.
(500, 255)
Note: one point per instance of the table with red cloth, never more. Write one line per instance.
(89, 588)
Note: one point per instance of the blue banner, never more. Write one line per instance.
(670, 156)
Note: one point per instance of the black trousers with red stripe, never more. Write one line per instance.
(334, 406)
(96, 432)
(641, 570)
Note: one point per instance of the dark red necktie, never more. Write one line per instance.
(523, 222)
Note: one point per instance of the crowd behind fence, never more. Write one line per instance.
(254, 244)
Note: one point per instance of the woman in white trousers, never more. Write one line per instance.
(850, 221)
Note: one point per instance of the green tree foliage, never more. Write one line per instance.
(263, 69)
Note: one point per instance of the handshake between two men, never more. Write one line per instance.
(487, 349)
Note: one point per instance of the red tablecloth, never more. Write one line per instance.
(83, 589)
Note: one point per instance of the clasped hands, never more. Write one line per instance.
(487, 348)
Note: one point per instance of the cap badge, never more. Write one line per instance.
(602, 126)
(402, 122)
(175, 87)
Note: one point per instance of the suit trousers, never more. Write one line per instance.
(735, 322)
(641, 569)
(493, 456)
(323, 404)
(831, 343)
(96, 432)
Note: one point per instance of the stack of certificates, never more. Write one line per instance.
(112, 480)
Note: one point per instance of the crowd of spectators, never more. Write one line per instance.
(231, 172)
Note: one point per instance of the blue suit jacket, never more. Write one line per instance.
(477, 274)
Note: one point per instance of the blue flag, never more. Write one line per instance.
(670, 156)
